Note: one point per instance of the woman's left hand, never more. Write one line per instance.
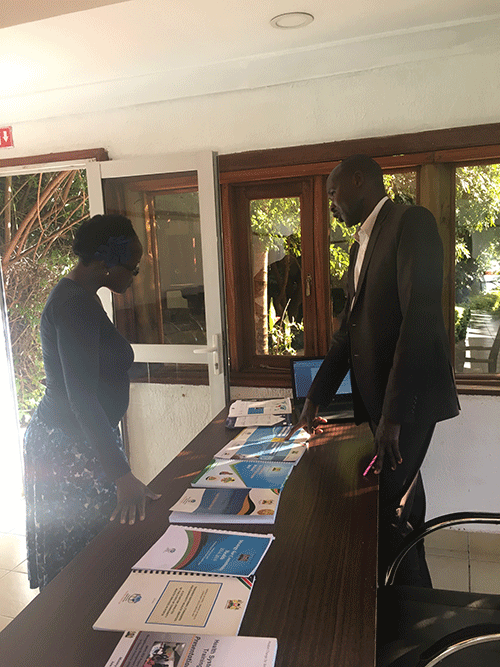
(132, 494)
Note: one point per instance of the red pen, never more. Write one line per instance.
(370, 466)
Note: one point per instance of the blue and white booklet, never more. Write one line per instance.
(204, 550)
(226, 506)
(266, 443)
(243, 474)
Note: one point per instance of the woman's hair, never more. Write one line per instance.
(97, 232)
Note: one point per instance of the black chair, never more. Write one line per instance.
(421, 627)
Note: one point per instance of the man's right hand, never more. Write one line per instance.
(308, 420)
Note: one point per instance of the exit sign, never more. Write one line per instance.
(6, 140)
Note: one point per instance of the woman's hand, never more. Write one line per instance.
(132, 494)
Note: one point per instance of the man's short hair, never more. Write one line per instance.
(366, 165)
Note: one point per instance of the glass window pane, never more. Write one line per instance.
(401, 186)
(277, 281)
(166, 304)
(477, 269)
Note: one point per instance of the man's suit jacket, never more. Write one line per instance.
(392, 334)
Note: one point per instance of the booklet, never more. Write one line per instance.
(268, 406)
(155, 649)
(183, 602)
(226, 506)
(243, 474)
(268, 412)
(206, 550)
(266, 443)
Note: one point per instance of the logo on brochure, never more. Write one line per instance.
(133, 598)
(234, 604)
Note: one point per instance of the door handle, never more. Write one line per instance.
(214, 350)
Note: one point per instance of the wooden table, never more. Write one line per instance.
(315, 589)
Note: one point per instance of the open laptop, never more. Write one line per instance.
(304, 370)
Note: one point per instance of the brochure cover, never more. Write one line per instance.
(206, 551)
(182, 602)
(161, 649)
(266, 443)
(268, 406)
(243, 474)
(226, 506)
(268, 412)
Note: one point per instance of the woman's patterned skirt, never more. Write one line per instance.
(68, 498)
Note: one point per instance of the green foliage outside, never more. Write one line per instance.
(462, 319)
(487, 302)
(277, 224)
(37, 213)
(477, 210)
(283, 333)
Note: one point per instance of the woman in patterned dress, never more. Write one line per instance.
(77, 476)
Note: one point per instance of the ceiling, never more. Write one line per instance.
(189, 44)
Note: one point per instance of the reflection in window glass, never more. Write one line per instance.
(277, 283)
(477, 269)
(180, 268)
(166, 304)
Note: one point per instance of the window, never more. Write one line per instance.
(277, 284)
(166, 302)
(454, 173)
(477, 269)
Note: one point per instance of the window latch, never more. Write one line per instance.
(308, 284)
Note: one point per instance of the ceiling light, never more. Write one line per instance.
(292, 20)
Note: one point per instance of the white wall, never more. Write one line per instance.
(462, 469)
(429, 93)
(161, 421)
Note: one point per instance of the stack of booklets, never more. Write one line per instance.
(242, 483)
(268, 412)
(152, 649)
(191, 580)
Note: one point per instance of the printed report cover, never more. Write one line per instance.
(206, 551)
(155, 649)
(183, 602)
(243, 474)
(226, 506)
(266, 443)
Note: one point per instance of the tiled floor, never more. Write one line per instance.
(457, 560)
(15, 592)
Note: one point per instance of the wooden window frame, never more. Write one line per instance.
(247, 368)
(435, 154)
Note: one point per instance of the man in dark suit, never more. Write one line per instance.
(393, 339)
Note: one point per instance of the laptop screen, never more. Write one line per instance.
(303, 373)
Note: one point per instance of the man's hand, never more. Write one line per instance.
(308, 420)
(387, 444)
(132, 494)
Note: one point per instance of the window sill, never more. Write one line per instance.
(479, 385)
(258, 377)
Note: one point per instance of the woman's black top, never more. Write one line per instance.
(86, 365)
